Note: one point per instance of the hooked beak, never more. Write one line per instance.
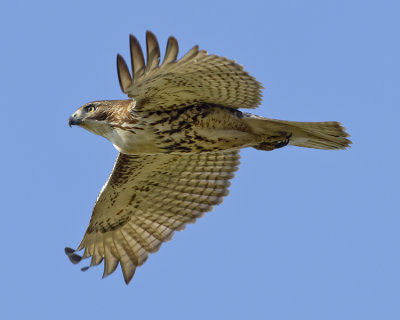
(73, 121)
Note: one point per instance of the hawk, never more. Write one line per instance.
(178, 137)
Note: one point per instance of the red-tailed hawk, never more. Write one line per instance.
(179, 137)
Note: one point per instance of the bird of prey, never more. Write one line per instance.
(178, 137)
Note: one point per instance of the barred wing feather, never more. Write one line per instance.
(147, 198)
(196, 77)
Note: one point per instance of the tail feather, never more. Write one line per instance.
(319, 135)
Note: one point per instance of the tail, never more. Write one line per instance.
(318, 135)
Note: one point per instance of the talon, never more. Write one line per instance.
(284, 143)
(75, 258)
(69, 251)
(85, 268)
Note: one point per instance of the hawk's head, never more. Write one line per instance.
(98, 116)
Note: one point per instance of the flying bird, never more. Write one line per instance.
(178, 135)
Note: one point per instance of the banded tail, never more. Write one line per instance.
(318, 135)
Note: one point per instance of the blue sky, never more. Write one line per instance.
(304, 234)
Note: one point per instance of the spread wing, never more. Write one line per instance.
(147, 198)
(196, 77)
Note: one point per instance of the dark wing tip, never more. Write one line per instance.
(128, 276)
(150, 36)
(153, 51)
(137, 59)
(133, 39)
(171, 52)
(124, 76)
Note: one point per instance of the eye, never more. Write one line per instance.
(90, 108)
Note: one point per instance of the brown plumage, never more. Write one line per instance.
(179, 137)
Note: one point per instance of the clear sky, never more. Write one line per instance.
(304, 234)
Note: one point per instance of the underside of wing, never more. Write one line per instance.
(147, 198)
(196, 77)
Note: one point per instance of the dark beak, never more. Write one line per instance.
(72, 121)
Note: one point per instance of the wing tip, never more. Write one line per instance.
(153, 51)
(124, 76)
